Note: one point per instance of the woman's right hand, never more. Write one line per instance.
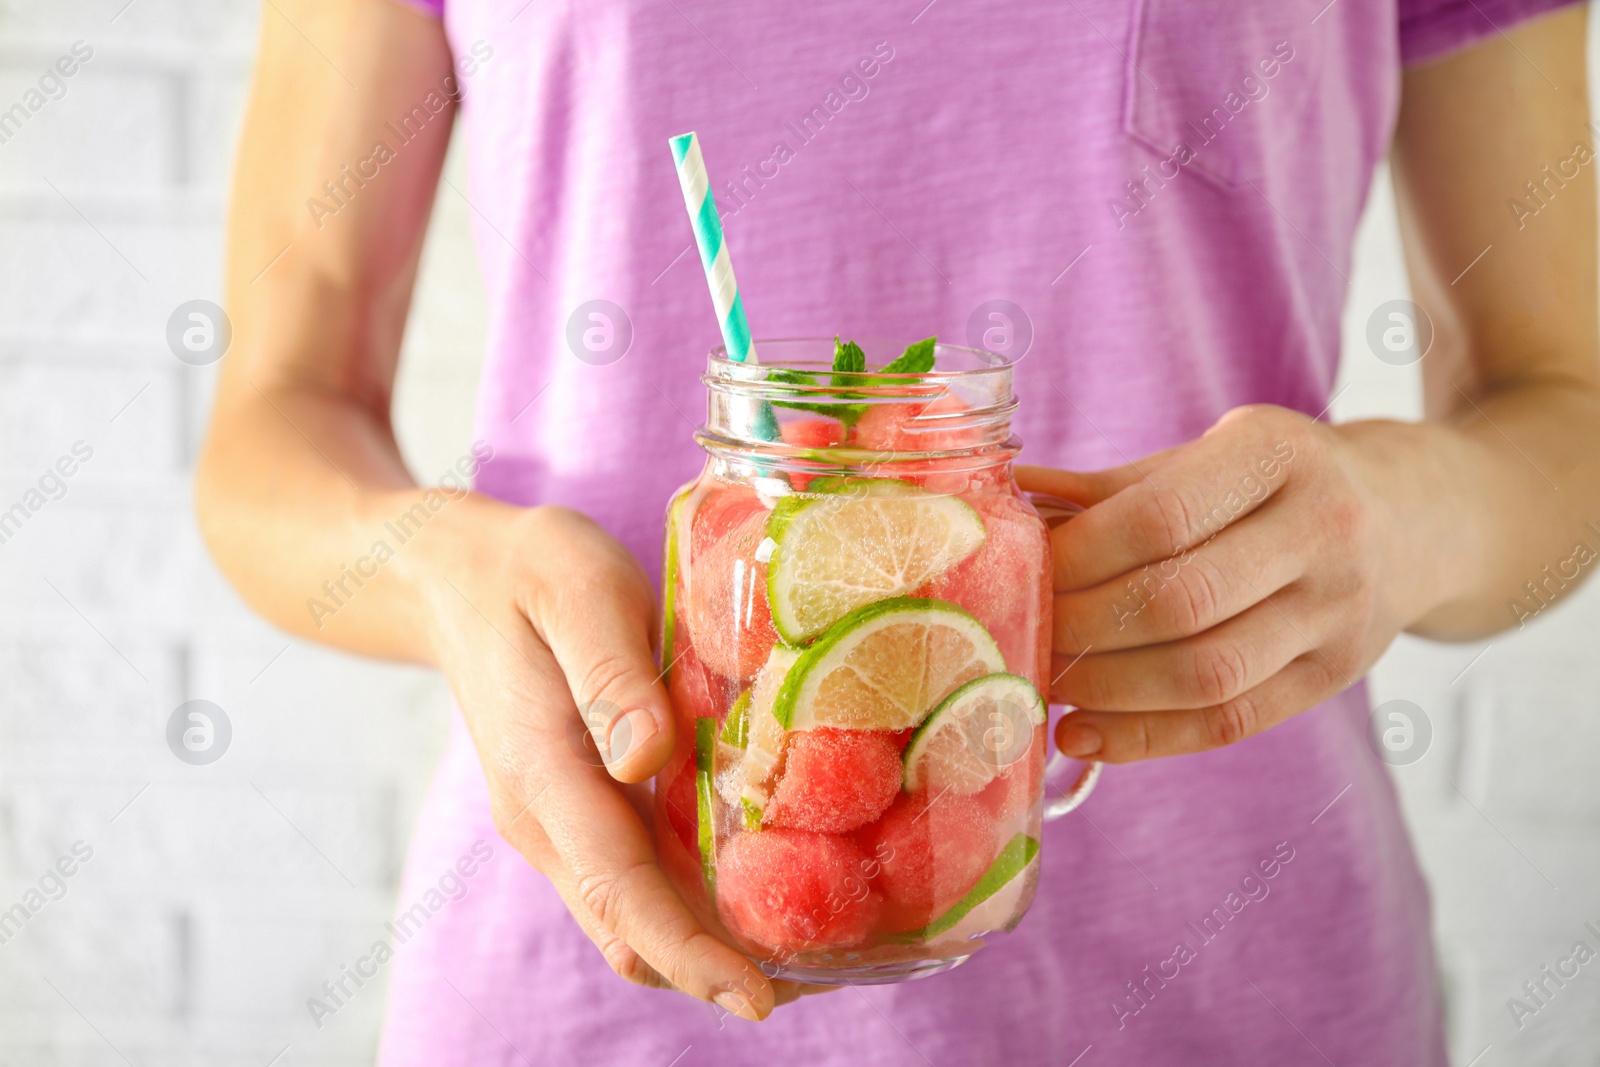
(542, 624)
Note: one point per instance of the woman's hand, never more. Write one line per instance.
(1213, 590)
(529, 612)
(543, 624)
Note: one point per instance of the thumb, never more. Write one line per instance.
(603, 649)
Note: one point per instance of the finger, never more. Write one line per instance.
(1123, 737)
(599, 633)
(1184, 595)
(1088, 487)
(1188, 499)
(1195, 672)
(786, 992)
(599, 838)
(522, 830)
(618, 954)
(569, 817)
(1084, 488)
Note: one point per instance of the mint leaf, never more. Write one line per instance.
(916, 359)
(843, 412)
(784, 376)
(848, 357)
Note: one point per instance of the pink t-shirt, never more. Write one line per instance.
(1157, 198)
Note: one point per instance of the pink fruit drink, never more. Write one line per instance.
(856, 636)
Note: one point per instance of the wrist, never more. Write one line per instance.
(450, 551)
(1425, 522)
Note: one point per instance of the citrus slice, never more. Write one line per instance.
(885, 666)
(705, 747)
(856, 542)
(976, 732)
(763, 735)
(1012, 861)
(736, 731)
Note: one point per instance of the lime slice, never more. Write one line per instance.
(705, 747)
(736, 731)
(858, 542)
(884, 666)
(677, 514)
(976, 732)
(1012, 861)
(763, 735)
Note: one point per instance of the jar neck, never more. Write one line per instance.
(794, 412)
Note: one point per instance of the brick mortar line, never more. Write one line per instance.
(144, 56)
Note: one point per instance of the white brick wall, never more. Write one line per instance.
(219, 899)
(205, 919)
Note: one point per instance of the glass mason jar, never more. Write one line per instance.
(856, 636)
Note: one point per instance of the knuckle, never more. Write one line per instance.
(1091, 688)
(604, 676)
(1170, 522)
(1348, 521)
(1129, 741)
(1340, 665)
(1220, 671)
(625, 962)
(1269, 422)
(511, 808)
(1201, 595)
(1069, 639)
(604, 893)
(1141, 746)
(1229, 723)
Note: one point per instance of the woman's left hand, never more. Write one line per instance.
(1215, 589)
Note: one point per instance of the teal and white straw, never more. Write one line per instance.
(696, 185)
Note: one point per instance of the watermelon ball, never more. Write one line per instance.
(729, 621)
(693, 690)
(791, 891)
(834, 780)
(913, 427)
(692, 687)
(1013, 791)
(812, 433)
(930, 852)
(1006, 583)
(722, 507)
(683, 814)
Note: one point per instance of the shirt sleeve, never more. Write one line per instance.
(1431, 28)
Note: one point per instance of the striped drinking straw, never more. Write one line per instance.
(696, 185)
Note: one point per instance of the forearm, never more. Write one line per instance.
(310, 513)
(1482, 501)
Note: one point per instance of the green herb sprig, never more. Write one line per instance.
(849, 368)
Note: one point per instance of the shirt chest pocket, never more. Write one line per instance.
(1218, 86)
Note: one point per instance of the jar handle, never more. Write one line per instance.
(1056, 512)
(1072, 799)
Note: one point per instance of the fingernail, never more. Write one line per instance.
(1075, 740)
(735, 1004)
(629, 731)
